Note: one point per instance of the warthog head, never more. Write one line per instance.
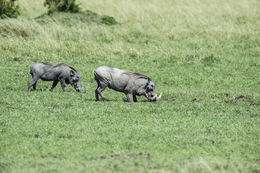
(150, 93)
(75, 80)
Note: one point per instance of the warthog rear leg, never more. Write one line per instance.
(99, 92)
(101, 86)
(54, 84)
(33, 83)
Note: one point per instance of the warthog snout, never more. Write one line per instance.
(154, 97)
(77, 86)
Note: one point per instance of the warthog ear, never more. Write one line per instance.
(147, 83)
(72, 73)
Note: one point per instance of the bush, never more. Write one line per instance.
(8, 8)
(62, 5)
(108, 20)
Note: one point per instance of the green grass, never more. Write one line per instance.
(204, 56)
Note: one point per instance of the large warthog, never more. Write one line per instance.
(131, 83)
(56, 72)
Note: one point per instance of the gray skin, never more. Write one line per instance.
(130, 83)
(56, 72)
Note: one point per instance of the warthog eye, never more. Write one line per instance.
(149, 89)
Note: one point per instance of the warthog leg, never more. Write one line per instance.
(96, 93)
(63, 83)
(99, 92)
(101, 86)
(130, 97)
(54, 84)
(134, 97)
(33, 83)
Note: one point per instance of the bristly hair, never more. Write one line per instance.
(137, 75)
(58, 64)
(47, 63)
(72, 68)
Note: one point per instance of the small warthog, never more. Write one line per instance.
(131, 83)
(56, 72)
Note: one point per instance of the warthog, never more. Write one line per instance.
(56, 72)
(131, 83)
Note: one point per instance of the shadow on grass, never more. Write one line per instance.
(122, 101)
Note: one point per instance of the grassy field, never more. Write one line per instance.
(204, 56)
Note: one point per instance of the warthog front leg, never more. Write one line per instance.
(54, 84)
(63, 84)
(134, 97)
(34, 85)
(127, 98)
(130, 97)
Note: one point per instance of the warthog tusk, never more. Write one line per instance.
(158, 98)
(154, 98)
